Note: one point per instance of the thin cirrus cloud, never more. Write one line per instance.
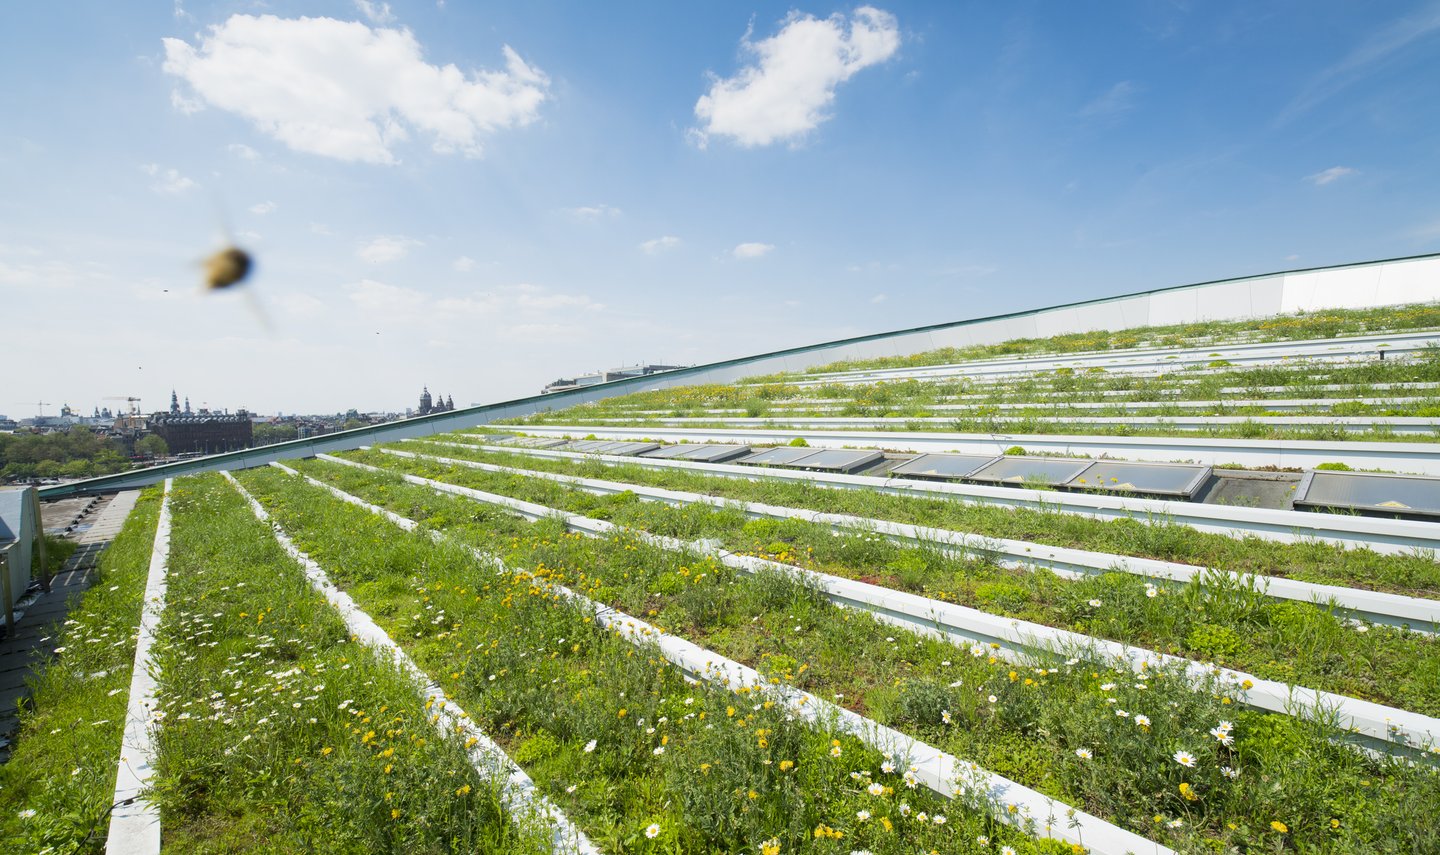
(592, 213)
(752, 250)
(655, 246)
(263, 208)
(1329, 176)
(377, 12)
(168, 182)
(786, 93)
(386, 248)
(1118, 99)
(343, 90)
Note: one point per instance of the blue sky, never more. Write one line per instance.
(484, 197)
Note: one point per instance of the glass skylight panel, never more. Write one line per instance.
(942, 465)
(1374, 493)
(783, 456)
(672, 451)
(589, 444)
(626, 449)
(1167, 479)
(1015, 471)
(713, 453)
(838, 460)
(538, 442)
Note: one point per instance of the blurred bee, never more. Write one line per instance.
(227, 267)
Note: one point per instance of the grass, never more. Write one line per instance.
(1043, 401)
(1025, 722)
(714, 771)
(1326, 323)
(1209, 619)
(56, 788)
(278, 732)
(1414, 575)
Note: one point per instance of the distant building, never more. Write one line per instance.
(429, 405)
(187, 432)
(580, 382)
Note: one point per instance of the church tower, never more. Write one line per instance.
(174, 402)
(425, 401)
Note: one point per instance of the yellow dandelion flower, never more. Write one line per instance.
(1280, 827)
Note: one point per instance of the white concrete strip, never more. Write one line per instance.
(1377, 725)
(135, 821)
(1386, 536)
(1421, 458)
(941, 772)
(521, 797)
(1421, 615)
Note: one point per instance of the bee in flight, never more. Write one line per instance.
(227, 270)
(227, 267)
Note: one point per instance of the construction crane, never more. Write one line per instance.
(132, 401)
(39, 406)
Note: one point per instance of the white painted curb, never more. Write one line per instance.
(135, 822)
(519, 792)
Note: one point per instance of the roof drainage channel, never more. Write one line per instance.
(1377, 726)
(519, 794)
(941, 772)
(1420, 458)
(1386, 536)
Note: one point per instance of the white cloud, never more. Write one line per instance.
(1334, 173)
(752, 250)
(379, 13)
(1117, 99)
(522, 300)
(784, 95)
(167, 181)
(386, 248)
(185, 104)
(321, 229)
(464, 264)
(263, 208)
(879, 298)
(388, 300)
(243, 151)
(341, 89)
(298, 305)
(592, 213)
(655, 246)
